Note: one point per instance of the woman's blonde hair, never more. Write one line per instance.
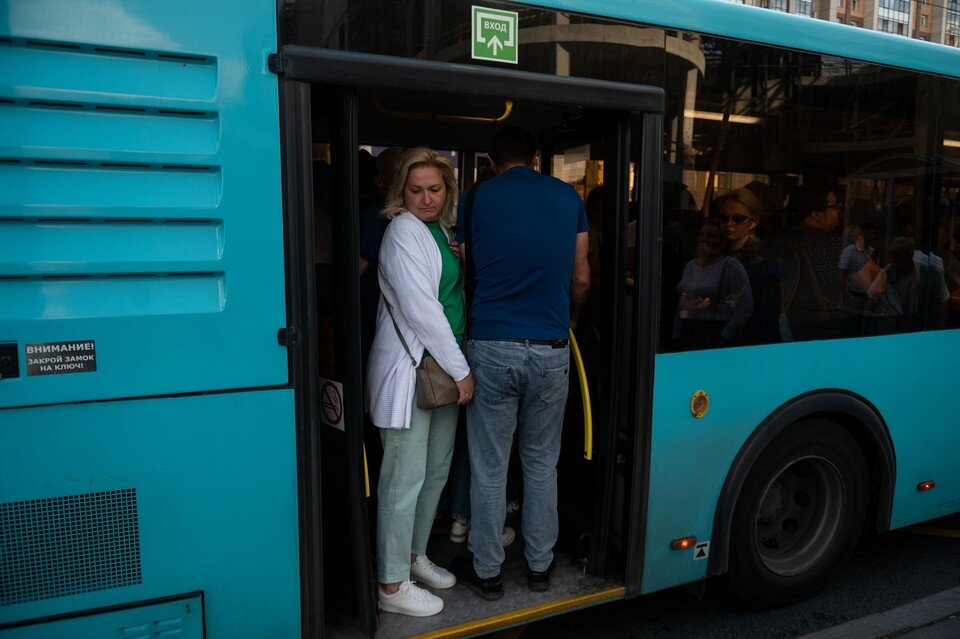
(416, 158)
(748, 199)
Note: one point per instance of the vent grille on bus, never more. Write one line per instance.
(68, 545)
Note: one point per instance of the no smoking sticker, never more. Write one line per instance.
(331, 403)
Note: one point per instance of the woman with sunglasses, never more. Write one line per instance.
(738, 215)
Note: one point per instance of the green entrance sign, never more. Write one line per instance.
(494, 35)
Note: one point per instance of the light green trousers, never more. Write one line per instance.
(416, 462)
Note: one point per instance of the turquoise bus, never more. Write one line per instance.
(182, 437)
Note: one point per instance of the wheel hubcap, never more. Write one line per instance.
(799, 514)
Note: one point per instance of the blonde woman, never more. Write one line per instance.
(738, 216)
(421, 301)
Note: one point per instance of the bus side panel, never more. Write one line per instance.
(907, 377)
(140, 204)
(111, 503)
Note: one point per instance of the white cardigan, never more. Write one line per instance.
(410, 266)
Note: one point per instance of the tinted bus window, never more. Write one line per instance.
(825, 185)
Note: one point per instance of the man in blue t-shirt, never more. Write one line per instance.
(529, 245)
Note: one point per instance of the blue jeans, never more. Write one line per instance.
(515, 381)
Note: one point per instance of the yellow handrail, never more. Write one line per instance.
(366, 472)
(585, 394)
(443, 117)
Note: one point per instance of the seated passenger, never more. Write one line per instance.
(818, 309)
(766, 286)
(738, 214)
(865, 280)
(416, 262)
(932, 292)
(948, 249)
(715, 298)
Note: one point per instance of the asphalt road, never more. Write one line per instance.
(886, 571)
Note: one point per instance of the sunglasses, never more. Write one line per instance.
(736, 219)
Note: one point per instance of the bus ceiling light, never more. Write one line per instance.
(718, 117)
(684, 543)
(926, 485)
(953, 144)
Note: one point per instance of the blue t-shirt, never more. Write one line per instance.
(525, 228)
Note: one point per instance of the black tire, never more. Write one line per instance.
(799, 516)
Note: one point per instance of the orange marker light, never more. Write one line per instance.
(683, 543)
(926, 485)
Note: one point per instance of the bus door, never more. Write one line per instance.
(360, 100)
(602, 155)
(147, 440)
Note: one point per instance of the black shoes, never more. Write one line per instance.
(490, 589)
(540, 581)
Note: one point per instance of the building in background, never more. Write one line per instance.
(933, 21)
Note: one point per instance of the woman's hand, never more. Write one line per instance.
(465, 386)
(699, 304)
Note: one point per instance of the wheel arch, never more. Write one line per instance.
(851, 411)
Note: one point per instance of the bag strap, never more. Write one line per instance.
(469, 281)
(397, 328)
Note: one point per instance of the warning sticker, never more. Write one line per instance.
(331, 403)
(61, 358)
(701, 550)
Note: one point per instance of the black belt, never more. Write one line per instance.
(552, 343)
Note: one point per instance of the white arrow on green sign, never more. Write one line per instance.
(494, 35)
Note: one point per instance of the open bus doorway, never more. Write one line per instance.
(347, 120)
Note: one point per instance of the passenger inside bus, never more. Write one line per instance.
(766, 287)
(715, 298)
(525, 234)
(413, 323)
(372, 226)
(865, 280)
(456, 499)
(738, 213)
(819, 302)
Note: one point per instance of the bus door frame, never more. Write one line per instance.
(611, 408)
(347, 71)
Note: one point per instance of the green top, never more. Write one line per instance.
(451, 293)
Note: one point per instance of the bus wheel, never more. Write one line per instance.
(799, 515)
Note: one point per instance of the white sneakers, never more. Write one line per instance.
(410, 600)
(430, 574)
(459, 530)
(413, 600)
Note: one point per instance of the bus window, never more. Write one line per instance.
(806, 197)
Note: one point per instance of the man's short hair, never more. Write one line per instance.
(512, 144)
(812, 197)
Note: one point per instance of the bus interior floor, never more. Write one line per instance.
(463, 607)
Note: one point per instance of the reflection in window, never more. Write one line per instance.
(816, 171)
